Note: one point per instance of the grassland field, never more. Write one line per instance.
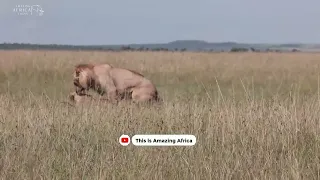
(255, 116)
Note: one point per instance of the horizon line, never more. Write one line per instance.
(125, 44)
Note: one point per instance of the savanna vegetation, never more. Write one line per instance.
(255, 116)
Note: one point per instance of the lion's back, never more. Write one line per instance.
(126, 78)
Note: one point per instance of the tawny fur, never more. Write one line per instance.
(78, 99)
(114, 82)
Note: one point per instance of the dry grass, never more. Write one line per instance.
(255, 116)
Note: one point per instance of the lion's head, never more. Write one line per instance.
(83, 78)
(76, 98)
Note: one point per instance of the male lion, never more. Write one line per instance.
(116, 82)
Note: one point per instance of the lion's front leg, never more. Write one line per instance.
(107, 87)
(101, 92)
(112, 94)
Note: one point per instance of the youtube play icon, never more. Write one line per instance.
(124, 140)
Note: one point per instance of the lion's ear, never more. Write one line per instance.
(78, 71)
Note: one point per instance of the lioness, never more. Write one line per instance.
(83, 98)
(116, 82)
(80, 98)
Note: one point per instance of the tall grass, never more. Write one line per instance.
(255, 116)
